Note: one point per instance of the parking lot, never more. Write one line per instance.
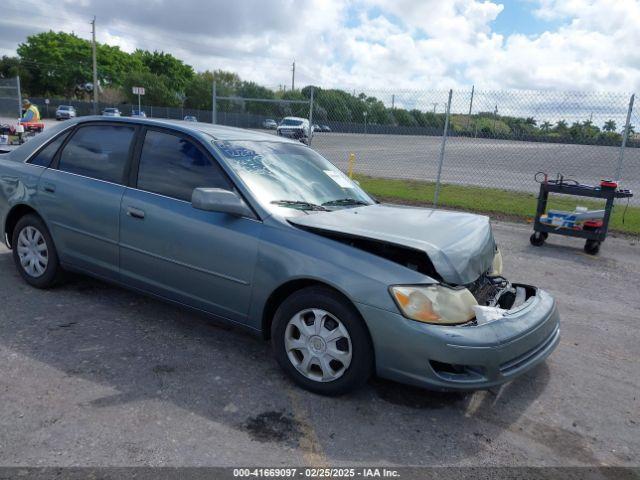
(94, 375)
(484, 162)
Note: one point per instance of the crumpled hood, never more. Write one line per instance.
(460, 245)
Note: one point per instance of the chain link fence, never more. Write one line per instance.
(493, 139)
(10, 101)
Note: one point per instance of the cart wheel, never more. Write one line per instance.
(592, 247)
(538, 238)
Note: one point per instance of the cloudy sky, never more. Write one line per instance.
(406, 44)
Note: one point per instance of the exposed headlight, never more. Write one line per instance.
(496, 267)
(435, 303)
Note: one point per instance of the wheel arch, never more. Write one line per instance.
(15, 214)
(278, 295)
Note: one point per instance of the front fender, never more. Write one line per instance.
(287, 253)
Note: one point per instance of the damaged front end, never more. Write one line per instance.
(495, 296)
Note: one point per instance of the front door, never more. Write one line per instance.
(202, 259)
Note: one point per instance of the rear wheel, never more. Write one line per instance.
(34, 253)
(320, 340)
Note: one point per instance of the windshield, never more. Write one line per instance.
(285, 177)
(110, 110)
(292, 122)
(64, 107)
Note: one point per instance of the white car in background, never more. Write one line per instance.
(65, 112)
(111, 112)
(295, 127)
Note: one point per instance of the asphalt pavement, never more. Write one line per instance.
(94, 375)
(483, 162)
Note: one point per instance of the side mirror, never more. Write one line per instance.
(220, 200)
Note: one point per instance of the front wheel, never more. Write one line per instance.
(321, 342)
(34, 253)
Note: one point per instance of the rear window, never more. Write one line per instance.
(291, 122)
(45, 156)
(98, 151)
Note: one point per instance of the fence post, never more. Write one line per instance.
(310, 118)
(442, 147)
(19, 96)
(473, 87)
(214, 106)
(625, 135)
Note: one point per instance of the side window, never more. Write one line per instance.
(45, 156)
(98, 151)
(173, 166)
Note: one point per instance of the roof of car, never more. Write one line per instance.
(217, 132)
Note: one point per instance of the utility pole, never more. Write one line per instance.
(95, 66)
(293, 76)
(435, 104)
(393, 101)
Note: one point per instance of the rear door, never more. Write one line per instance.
(80, 196)
(202, 259)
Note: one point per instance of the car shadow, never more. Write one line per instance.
(145, 349)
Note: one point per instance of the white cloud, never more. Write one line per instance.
(373, 44)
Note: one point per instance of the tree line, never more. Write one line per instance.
(58, 65)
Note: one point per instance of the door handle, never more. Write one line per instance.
(135, 212)
(49, 187)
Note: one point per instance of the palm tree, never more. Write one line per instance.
(561, 127)
(610, 126)
(545, 126)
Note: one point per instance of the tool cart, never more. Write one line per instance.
(590, 225)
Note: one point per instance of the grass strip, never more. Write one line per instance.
(492, 201)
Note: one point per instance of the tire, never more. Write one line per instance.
(537, 238)
(45, 274)
(592, 247)
(327, 374)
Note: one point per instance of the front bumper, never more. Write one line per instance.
(464, 357)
